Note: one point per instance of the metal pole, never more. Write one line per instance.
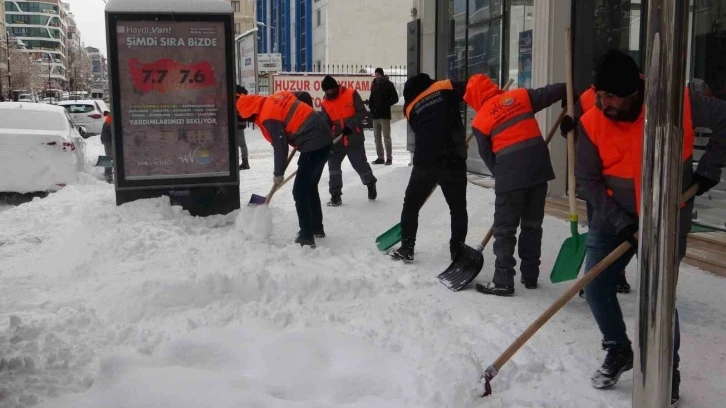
(660, 195)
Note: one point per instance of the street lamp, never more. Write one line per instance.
(274, 43)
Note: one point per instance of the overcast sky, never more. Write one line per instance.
(90, 19)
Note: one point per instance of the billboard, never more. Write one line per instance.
(172, 81)
(312, 85)
(269, 62)
(246, 50)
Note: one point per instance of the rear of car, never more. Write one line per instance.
(85, 113)
(25, 98)
(37, 150)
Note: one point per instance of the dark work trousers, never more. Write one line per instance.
(108, 149)
(310, 168)
(590, 210)
(522, 208)
(358, 160)
(423, 180)
(601, 293)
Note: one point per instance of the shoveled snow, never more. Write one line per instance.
(145, 306)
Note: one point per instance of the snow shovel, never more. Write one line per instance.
(469, 262)
(555, 307)
(260, 200)
(393, 236)
(572, 253)
(104, 161)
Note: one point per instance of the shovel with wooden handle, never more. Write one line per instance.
(621, 250)
(470, 261)
(393, 236)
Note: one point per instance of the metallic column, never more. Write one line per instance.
(660, 195)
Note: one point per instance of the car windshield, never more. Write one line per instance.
(78, 108)
(33, 120)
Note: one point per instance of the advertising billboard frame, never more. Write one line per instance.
(239, 62)
(123, 184)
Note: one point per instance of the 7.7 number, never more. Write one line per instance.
(198, 76)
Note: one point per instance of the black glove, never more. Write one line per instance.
(626, 234)
(568, 124)
(704, 184)
(347, 131)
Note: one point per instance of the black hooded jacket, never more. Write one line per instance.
(383, 96)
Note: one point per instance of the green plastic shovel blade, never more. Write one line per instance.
(570, 259)
(388, 239)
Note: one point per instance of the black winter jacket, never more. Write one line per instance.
(383, 96)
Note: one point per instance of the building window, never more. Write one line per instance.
(318, 17)
(236, 28)
(235, 6)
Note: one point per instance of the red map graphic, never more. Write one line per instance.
(166, 75)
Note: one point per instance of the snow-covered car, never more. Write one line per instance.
(87, 113)
(41, 149)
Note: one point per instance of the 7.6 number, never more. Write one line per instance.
(198, 76)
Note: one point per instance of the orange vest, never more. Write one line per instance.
(620, 145)
(342, 107)
(588, 99)
(108, 119)
(508, 119)
(435, 87)
(284, 107)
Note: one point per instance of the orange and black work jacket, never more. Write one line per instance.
(106, 130)
(347, 110)
(284, 120)
(432, 110)
(609, 155)
(510, 142)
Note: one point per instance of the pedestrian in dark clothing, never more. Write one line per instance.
(513, 149)
(240, 134)
(608, 168)
(432, 110)
(106, 140)
(345, 112)
(284, 121)
(383, 97)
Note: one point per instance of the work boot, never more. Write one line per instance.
(305, 241)
(377, 161)
(405, 252)
(492, 288)
(245, 165)
(623, 285)
(455, 249)
(389, 162)
(582, 293)
(618, 360)
(319, 233)
(529, 283)
(372, 193)
(335, 200)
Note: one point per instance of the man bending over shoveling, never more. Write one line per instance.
(286, 121)
(511, 145)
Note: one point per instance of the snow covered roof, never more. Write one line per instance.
(169, 6)
(33, 107)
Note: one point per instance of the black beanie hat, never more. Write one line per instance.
(305, 98)
(241, 90)
(618, 74)
(329, 83)
(379, 71)
(414, 86)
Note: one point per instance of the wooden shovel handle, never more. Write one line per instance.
(571, 134)
(571, 292)
(548, 139)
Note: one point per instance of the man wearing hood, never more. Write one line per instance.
(383, 97)
(608, 168)
(432, 110)
(284, 120)
(241, 142)
(345, 112)
(511, 145)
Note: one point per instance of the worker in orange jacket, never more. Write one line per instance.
(512, 147)
(608, 168)
(285, 121)
(344, 111)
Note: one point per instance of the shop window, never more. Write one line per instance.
(521, 37)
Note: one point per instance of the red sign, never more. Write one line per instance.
(166, 75)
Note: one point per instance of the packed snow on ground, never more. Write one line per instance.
(143, 305)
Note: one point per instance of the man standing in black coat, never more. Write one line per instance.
(383, 96)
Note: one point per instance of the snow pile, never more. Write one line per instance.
(145, 306)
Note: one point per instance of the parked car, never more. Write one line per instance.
(87, 113)
(27, 98)
(41, 149)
